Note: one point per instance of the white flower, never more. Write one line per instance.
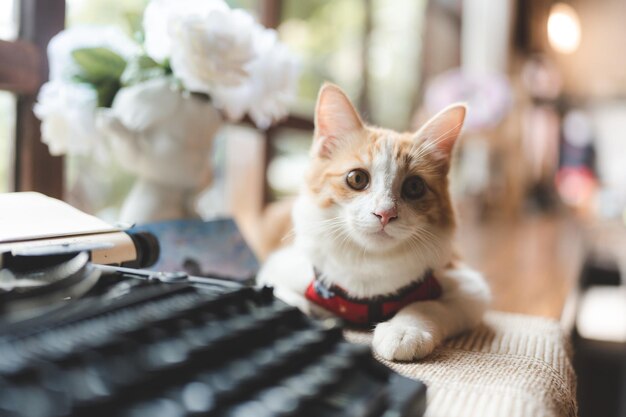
(266, 95)
(213, 50)
(63, 66)
(161, 15)
(67, 108)
(223, 53)
(67, 114)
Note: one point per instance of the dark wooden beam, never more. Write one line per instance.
(19, 72)
(290, 122)
(270, 13)
(297, 122)
(294, 122)
(35, 168)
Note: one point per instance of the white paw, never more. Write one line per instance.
(396, 342)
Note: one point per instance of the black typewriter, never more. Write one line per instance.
(78, 339)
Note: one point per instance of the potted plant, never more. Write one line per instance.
(158, 102)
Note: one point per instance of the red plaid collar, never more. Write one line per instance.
(368, 311)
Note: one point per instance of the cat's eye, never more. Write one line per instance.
(413, 188)
(358, 179)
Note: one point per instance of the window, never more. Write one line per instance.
(371, 49)
(8, 32)
(22, 70)
(8, 21)
(329, 38)
(7, 124)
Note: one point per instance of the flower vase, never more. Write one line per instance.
(165, 138)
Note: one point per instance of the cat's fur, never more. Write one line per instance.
(340, 230)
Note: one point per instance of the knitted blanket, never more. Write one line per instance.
(510, 366)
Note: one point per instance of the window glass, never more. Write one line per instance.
(371, 49)
(123, 13)
(394, 61)
(338, 42)
(328, 36)
(8, 20)
(7, 138)
(8, 31)
(285, 173)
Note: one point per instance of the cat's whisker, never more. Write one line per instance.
(325, 224)
(363, 253)
(436, 140)
(431, 145)
(291, 233)
(425, 242)
(322, 228)
(426, 232)
(341, 243)
(428, 148)
(425, 239)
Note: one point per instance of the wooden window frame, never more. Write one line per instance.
(23, 69)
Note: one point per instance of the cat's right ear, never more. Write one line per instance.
(335, 119)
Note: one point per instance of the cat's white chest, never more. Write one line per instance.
(362, 275)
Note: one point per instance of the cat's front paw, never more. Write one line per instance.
(396, 342)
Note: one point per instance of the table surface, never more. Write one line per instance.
(531, 263)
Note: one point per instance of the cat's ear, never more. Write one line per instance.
(335, 119)
(440, 133)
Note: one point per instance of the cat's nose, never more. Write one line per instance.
(386, 216)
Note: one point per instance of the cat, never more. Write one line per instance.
(374, 220)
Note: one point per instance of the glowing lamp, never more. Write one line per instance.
(563, 28)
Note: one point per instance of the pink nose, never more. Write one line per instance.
(386, 216)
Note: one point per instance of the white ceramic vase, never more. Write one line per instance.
(165, 138)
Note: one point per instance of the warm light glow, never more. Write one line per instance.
(563, 28)
(602, 314)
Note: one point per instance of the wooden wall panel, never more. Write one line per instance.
(19, 72)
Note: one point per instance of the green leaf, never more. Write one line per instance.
(106, 91)
(167, 67)
(101, 68)
(99, 63)
(135, 23)
(81, 79)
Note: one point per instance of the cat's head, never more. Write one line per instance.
(378, 188)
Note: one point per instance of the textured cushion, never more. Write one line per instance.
(512, 365)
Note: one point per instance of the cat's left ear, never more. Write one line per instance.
(440, 133)
(336, 119)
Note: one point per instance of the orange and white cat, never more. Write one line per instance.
(374, 218)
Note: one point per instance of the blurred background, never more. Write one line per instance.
(539, 179)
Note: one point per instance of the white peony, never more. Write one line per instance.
(223, 53)
(67, 114)
(67, 108)
(266, 95)
(161, 15)
(213, 50)
(63, 66)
